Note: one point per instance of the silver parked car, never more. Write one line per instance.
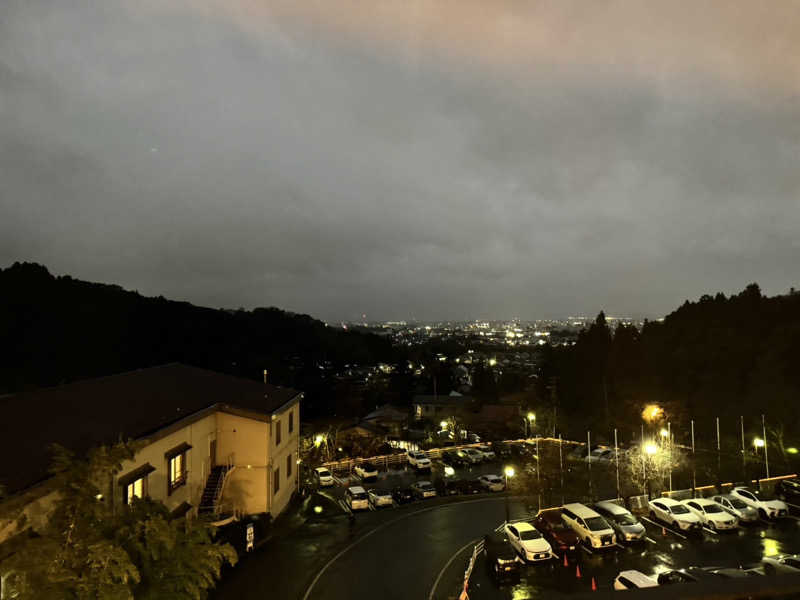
(627, 527)
(737, 508)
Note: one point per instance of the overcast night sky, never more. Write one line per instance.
(415, 158)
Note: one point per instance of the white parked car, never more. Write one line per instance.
(418, 460)
(493, 483)
(632, 580)
(592, 529)
(674, 513)
(366, 471)
(711, 514)
(380, 498)
(528, 542)
(767, 509)
(323, 477)
(356, 498)
(488, 453)
(601, 456)
(472, 455)
(737, 508)
(783, 563)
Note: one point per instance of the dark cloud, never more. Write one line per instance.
(238, 159)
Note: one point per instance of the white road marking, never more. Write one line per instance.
(710, 530)
(652, 541)
(586, 549)
(447, 564)
(683, 537)
(384, 526)
(500, 527)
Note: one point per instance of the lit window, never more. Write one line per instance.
(135, 489)
(177, 471)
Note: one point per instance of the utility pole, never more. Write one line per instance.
(744, 456)
(766, 456)
(561, 467)
(588, 461)
(694, 469)
(616, 460)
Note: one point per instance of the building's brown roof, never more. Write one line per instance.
(136, 404)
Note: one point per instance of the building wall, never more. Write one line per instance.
(244, 442)
(197, 434)
(280, 453)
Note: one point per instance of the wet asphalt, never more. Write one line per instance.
(412, 551)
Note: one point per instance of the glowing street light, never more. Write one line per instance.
(652, 412)
(664, 433)
(758, 442)
(318, 440)
(443, 424)
(651, 448)
(449, 471)
(509, 471)
(531, 417)
(792, 450)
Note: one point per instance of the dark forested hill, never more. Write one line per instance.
(57, 329)
(717, 357)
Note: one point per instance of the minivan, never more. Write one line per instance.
(356, 498)
(591, 528)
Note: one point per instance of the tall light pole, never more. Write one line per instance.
(530, 419)
(509, 473)
(766, 454)
(616, 460)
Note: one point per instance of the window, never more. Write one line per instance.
(277, 481)
(291, 421)
(177, 472)
(176, 467)
(277, 433)
(135, 489)
(134, 484)
(289, 466)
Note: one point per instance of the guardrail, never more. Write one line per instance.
(347, 465)
(468, 572)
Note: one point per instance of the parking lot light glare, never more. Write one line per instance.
(443, 424)
(792, 450)
(531, 416)
(664, 433)
(651, 412)
(509, 471)
(651, 448)
(758, 443)
(449, 471)
(318, 440)
(317, 509)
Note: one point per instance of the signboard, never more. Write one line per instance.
(250, 536)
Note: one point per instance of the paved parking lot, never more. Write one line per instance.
(664, 549)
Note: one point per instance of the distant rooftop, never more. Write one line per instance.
(135, 404)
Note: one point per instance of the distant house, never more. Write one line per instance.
(434, 407)
(363, 429)
(391, 418)
(209, 441)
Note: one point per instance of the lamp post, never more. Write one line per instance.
(509, 473)
(650, 449)
(530, 419)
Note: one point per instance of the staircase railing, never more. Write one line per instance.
(227, 468)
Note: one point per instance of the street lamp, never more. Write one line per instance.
(664, 433)
(530, 419)
(509, 473)
(318, 440)
(758, 442)
(443, 425)
(650, 448)
(651, 412)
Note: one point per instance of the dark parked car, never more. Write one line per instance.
(402, 495)
(672, 577)
(501, 558)
(470, 486)
(423, 489)
(454, 458)
(561, 537)
(447, 487)
(788, 490)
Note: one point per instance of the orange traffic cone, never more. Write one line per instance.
(594, 585)
(566, 562)
(664, 531)
(577, 571)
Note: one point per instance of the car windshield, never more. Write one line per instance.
(324, 473)
(626, 519)
(736, 503)
(596, 523)
(793, 562)
(679, 510)
(713, 508)
(359, 496)
(380, 492)
(529, 534)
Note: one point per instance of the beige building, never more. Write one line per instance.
(213, 443)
